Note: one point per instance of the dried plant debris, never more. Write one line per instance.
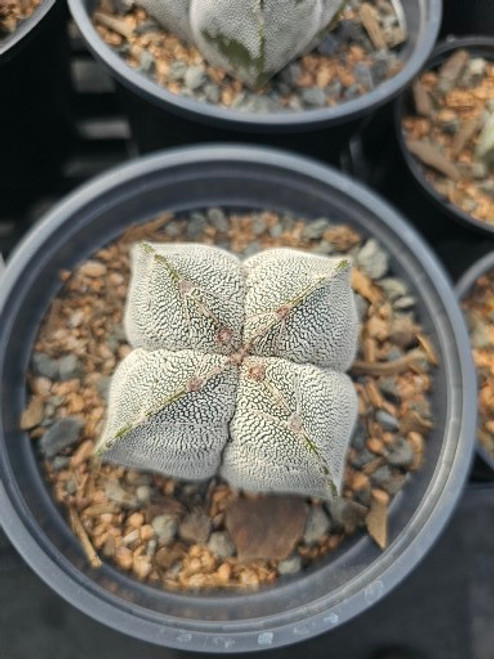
(360, 51)
(182, 535)
(451, 131)
(13, 12)
(478, 306)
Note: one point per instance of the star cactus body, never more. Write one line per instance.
(237, 369)
(253, 39)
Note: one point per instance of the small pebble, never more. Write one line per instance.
(218, 219)
(386, 420)
(314, 97)
(401, 454)
(45, 366)
(290, 565)
(220, 545)
(315, 229)
(165, 527)
(69, 367)
(194, 78)
(373, 260)
(62, 434)
(318, 523)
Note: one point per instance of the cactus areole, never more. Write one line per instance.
(237, 369)
(252, 39)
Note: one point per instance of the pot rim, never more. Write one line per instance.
(260, 122)
(463, 287)
(377, 578)
(13, 41)
(414, 166)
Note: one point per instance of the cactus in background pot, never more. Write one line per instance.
(237, 369)
(252, 39)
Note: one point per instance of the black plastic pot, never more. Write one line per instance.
(35, 115)
(463, 288)
(480, 47)
(468, 17)
(162, 119)
(358, 574)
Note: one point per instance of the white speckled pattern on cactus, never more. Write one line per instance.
(309, 306)
(185, 297)
(253, 39)
(268, 414)
(169, 412)
(286, 435)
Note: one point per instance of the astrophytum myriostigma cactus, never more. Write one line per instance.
(253, 39)
(237, 369)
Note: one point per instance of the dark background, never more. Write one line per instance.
(444, 609)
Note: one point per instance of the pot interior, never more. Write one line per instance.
(355, 573)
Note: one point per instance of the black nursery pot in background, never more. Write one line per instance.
(483, 468)
(160, 119)
(387, 165)
(35, 116)
(358, 574)
(468, 17)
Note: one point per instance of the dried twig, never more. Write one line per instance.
(388, 368)
(78, 529)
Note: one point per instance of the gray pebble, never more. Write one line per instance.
(346, 514)
(213, 93)
(318, 523)
(69, 367)
(401, 454)
(290, 74)
(322, 247)
(373, 260)
(487, 187)
(194, 78)
(358, 440)
(146, 62)
(49, 409)
(290, 565)
(45, 366)
(393, 288)
(381, 475)
(218, 219)
(315, 229)
(394, 353)
(276, 231)
(363, 75)
(334, 89)
(362, 306)
(59, 462)
(314, 97)
(404, 303)
(149, 25)
(62, 434)
(220, 545)
(352, 92)
(195, 527)
(252, 249)
(103, 386)
(329, 45)
(362, 458)
(70, 487)
(56, 400)
(143, 493)
(258, 225)
(195, 226)
(389, 389)
(177, 70)
(394, 484)
(386, 420)
(165, 527)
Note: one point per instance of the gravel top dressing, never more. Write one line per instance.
(451, 132)
(181, 535)
(479, 309)
(13, 12)
(359, 53)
